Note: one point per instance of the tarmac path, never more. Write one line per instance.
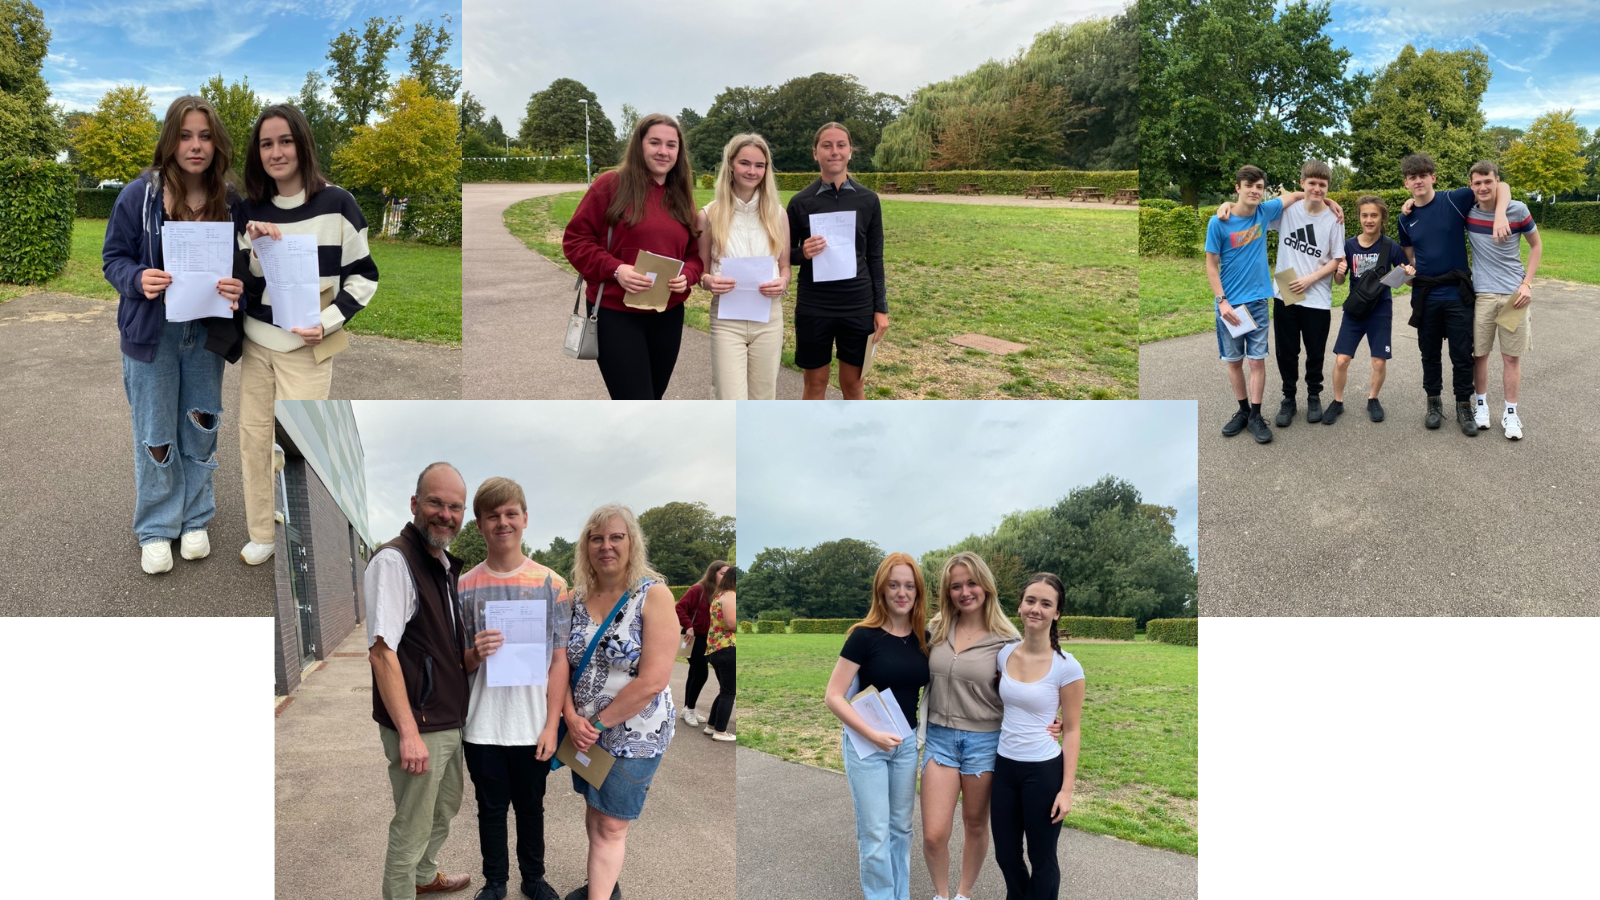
(797, 840)
(66, 546)
(1376, 519)
(334, 803)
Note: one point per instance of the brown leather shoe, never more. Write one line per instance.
(442, 884)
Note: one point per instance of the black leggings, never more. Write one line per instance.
(1019, 806)
(638, 351)
(722, 707)
(698, 673)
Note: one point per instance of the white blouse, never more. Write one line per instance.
(746, 235)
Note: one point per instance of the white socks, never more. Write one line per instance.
(1511, 409)
(1483, 399)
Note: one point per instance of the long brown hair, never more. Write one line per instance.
(708, 581)
(634, 181)
(878, 614)
(216, 177)
(257, 183)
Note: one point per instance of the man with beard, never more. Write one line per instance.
(420, 653)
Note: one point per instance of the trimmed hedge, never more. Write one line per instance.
(770, 626)
(432, 220)
(746, 627)
(1159, 203)
(97, 203)
(821, 626)
(1174, 631)
(1170, 232)
(37, 206)
(372, 204)
(997, 182)
(1099, 628)
(1578, 218)
(679, 591)
(523, 168)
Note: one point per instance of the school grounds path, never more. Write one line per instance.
(514, 311)
(334, 803)
(797, 842)
(67, 546)
(1006, 200)
(1375, 519)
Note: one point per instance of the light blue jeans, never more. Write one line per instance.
(883, 788)
(176, 404)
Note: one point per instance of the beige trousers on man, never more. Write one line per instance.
(745, 355)
(264, 376)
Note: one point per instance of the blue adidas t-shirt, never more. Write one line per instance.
(1241, 247)
(1438, 234)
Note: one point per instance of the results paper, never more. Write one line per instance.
(1394, 278)
(293, 289)
(1246, 324)
(838, 260)
(197, 255)
(521, 659)
(882, 713)
(745, 302)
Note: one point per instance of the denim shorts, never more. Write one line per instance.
(972, 752)
(1252, 343)
(621, 795)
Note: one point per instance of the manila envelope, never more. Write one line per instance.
(872, 352)
(1511, 318)
(1285, 278)
(592, 765)
(664, 270)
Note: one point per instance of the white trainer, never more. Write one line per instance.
(724, 736)
(195, 544)
(690, 719)
(1480, 415)
(255, 554)
(1512, 425)
(710, 730)
(155, 557)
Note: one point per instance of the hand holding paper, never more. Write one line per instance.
(196, 255)
(293, 288)
(1247, 322)
(746, 302)
(837, 261)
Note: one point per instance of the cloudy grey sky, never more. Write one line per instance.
(569, 456)
(661, 58)
(918, 476)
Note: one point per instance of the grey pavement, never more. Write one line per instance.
(1372, 519)
(334, 804)
(67, 547)
(797, 842)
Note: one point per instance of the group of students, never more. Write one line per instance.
(708, 614)
(647, 205)
(1001, 728)
(1469, 304)
(610, 641)
(172, 371)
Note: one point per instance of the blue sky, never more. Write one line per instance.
(173, 46)
(918, 476)
(1542, 52)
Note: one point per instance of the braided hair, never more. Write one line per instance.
(1055, 584)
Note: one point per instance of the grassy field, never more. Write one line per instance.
(1137, 772)
(1060, 281)
(418, 299)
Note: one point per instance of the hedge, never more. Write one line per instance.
(1174, 631)
(775, 614)
(997, 182)
(1159, 203)
(97, 203)
(679, 591)
(372, 204)
(523, 168)
(821, 626)
(1092, 627)
(770, 626)
(746, 627)
(1180, 231)
(432, 220)
(37, 206)
(1579, 218)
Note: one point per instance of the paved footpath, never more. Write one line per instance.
(797, 842)
(66, 545)
(334, 803)
(1364, 519)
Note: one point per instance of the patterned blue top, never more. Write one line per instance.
(615, 663)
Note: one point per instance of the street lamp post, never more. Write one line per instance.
(586, 178)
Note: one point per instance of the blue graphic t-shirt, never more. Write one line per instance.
(1438, 234)
(1241, 246)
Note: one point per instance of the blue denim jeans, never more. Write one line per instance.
(1252, 344)
(883, 788)
(176, 403)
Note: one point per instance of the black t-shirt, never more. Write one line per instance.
(889, 662)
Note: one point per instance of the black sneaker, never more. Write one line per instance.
(541, 890)
(1313, 409)
(491, 892)
(1258, 427)
(1331, 415)
(1466, 418)
(1435, 414)
(1286, 411)
(1374, 409)
(582, 893)
(1236, 424)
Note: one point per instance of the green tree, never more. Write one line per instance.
(28, 125)
(323, 118)
(494, 133)
(469, 545)
(1548, 158)
(688, 119)
(429, 45)
(1099, 71)
(1424, 102)
(800, 105)
(736, 110)
(770, 582)
(237, 107)
(558, 557)
(413, 152)
(119, 138)
(683, 538)
(630, 118)
(1499, 138)
(471, 113)
(70, 122)
(359, 70)
(554, 122)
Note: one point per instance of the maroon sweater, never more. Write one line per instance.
(584, 243)
(693, 611)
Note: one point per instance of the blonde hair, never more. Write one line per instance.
(994, 617)
(719, 212)
(584, 577)
(497, 492)
(878, 614)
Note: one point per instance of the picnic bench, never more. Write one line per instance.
(1129, 194)
(1039, 191)
(889, 187)
(1085, 194)
(971, 188)
(927, 187)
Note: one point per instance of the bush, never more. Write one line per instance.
(1173, 231)
(432, 220)
(707, 182)
(770, 626)
(37, 206)
(679, 591)
(97, 203)
(776, 614)
(746, 627)
(1579, 218)
(1008, 182)
(1174, 631)
(524, 168)
(1091, 627)
(1159, 203)
(371, 204)
(821, 626)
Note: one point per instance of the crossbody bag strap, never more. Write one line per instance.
(588, 654)
(577, 301)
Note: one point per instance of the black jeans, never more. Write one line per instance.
(698, 673)
(502, 778)
(1446, 320)
(638, 351)
(1290, 326)
(727, 671)
(1019, 806)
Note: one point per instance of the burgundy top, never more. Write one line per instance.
(584, 243)
(693, 611)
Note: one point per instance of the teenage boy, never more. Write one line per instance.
(1310, 244)
(1368, 257)
(848, 311)
(510, 734)
(1500, 279)
(1433, 232)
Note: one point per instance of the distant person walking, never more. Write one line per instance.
(724, 622)
(694, 615)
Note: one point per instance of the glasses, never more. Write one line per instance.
(455, 509)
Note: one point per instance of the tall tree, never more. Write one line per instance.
(1548, 158)
(359, 69)
(471, 113)
(688, 119)
(554, 123)
(429, 45)
(237, 106)
(736, 110)
(683, 538)
(630, 118)
(1499, 138)
(494, 133)
(413, 152)
(119, 138)
(558, 557)
(1425, 102)
(28, 125)
(323, 117)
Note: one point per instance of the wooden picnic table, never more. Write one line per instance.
(1129, 194)
(1085, 194)
(971, 188)
(889, 187)
(927, 187)
(1041, 191)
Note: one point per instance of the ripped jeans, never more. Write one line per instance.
(176, 402)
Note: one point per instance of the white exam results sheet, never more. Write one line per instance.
(197, 255)
(521, 659)
(837, 261)
(882, 713)
(745, 301)
(293, 289)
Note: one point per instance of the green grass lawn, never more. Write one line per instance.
(1137, 769)
(418, 299)
(1060, 281)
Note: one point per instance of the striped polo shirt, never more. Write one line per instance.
(1497, 268)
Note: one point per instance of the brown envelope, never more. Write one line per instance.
(1285, 278)
(665, 270)
(592, 765)
(1511, 318)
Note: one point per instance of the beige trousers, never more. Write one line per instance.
(264, 376)
(745, 355)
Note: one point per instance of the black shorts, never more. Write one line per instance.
(814, 337)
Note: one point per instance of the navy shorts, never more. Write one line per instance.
(1376, 328)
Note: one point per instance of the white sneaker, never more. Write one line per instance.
(724, 736)
(255, 554)
(195, 544)
(1480, 415)
(690, 719)
(155, 557)
(1512, 425)
(710, 730)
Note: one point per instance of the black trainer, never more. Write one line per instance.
(582, 893)
(491, 892)
(1435, 414)
(1466, 418)
(540, 890)
(1286, 411)
(1331, 415)
(1313, 408)
(1258, 427)
(1374, 409)
(1235, 424)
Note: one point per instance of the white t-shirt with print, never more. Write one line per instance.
(1305, 244)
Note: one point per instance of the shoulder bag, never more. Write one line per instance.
(583, 331)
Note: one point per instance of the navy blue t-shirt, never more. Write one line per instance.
(1366, 259)
(1438, 234)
